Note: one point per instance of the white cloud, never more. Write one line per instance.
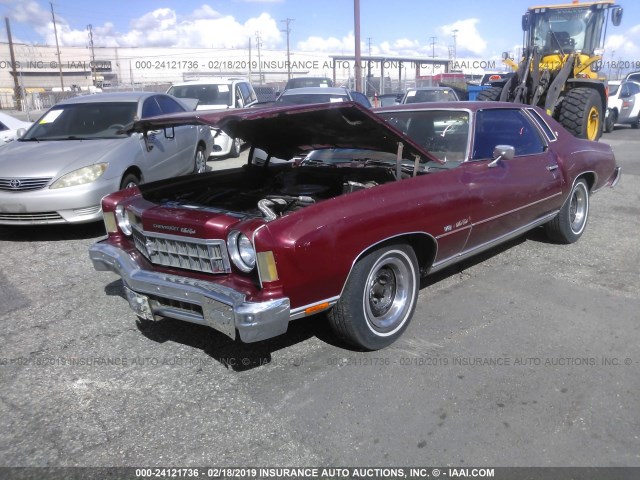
(468, 40)
(162, 27)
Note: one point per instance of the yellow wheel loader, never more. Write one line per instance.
(559, 70)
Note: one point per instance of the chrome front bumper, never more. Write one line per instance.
(153, 294)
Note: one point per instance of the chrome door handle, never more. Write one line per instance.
(551, 168)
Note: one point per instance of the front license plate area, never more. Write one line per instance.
(139, 304)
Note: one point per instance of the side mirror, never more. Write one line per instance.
(616, 16)
(20, 132)
(502, 152)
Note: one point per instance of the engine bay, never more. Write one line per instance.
(270, 192)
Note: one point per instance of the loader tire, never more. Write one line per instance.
(491, 94)
(581, 113)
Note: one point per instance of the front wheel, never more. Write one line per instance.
(581, 113)
(128, 181)
(569, 224)
(491, 94)
(379, 298)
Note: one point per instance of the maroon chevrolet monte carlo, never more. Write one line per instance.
(371, 201)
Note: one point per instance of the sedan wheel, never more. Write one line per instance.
(200, 162)
(128, 181)
(568, 226)
(379, 298)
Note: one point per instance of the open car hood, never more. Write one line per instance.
(291, 130)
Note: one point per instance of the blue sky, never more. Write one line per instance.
(403, 27)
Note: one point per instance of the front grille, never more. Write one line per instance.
(23, 184)
(30, 217)
(208, 256)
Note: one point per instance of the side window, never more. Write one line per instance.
(361, 99)
(505, 127)
(150, 108)
(247, 93)
(239, 98)
(169, 105)
(624, 91)
(634, 89)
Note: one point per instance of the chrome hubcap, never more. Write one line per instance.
(201, 163)
(388, 294)
(578, 209)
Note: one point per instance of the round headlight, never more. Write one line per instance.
(241, 251)
(123, 220)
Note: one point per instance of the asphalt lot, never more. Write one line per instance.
(526, 356)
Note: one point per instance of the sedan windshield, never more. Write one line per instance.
(304, 99)
(83, 121)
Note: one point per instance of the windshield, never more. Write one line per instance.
(304, 99)
(567, 30)
(206, 94)
(417, 96)
(444, 133)
(83, 121)
(308, 82)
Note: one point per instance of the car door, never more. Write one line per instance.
(160, 150)
(508, 195)
(627, 105)
(185, 137)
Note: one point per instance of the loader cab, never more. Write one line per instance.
(569, 29)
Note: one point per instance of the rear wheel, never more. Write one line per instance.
(569, 224)
(581, 113)
(199, 161)
(379, 298)
(636, 123)
(129, 180)
(235, 148)
(491, 94)
(610, 121)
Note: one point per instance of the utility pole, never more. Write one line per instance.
(16, 84)
(368, 83)
(455, 48)
(55, 31)
(356, 29)
(433, 53)
(287, 21)
(259, 59)
(93, 56)
(250, 69)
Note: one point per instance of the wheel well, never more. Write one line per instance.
(134, 170)
(424, 246)
(590, 178)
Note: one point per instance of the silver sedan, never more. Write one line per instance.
(75, 154)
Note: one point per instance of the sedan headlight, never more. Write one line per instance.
(81, 176)
(241, 251)
(123, 220)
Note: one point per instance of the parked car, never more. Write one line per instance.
(624, 104)
(351, 230)
(429, 94)
(218, 94)
(633, 76)
(304, 82)
(387, 99)
(9, 127)
(310, 95)
(77, 153)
